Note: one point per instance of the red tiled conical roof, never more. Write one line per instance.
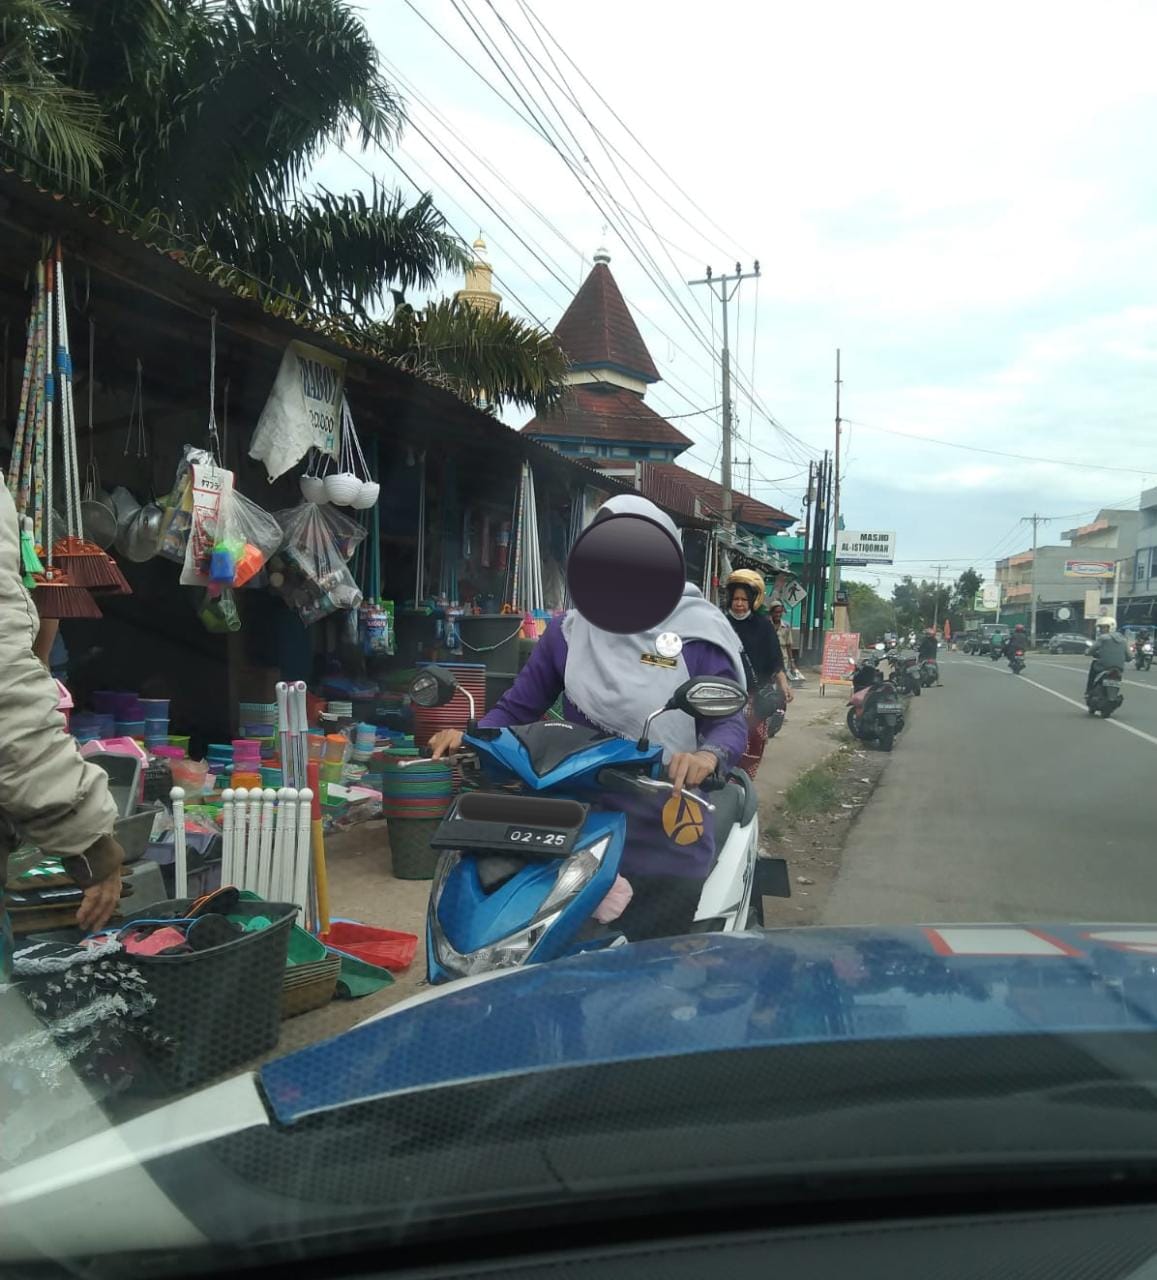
(597, 330)
(602, 411)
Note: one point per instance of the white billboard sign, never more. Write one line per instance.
(855, 546)
(990, 595)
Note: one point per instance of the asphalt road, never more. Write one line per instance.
(1004, 800)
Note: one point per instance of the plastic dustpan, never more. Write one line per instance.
(357, 978)
(381, 947)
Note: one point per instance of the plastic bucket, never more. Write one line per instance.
(413, 859)
(491, 638)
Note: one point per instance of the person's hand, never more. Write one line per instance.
(445, 742)
(689, 768)
(100, 900)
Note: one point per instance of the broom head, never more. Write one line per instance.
(29, 559)
(121, 588)
(57, 596)
(87, 564)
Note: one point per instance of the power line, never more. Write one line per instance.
(1001, 453)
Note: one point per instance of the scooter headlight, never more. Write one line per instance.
(574, 875)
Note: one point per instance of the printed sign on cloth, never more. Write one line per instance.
(303, 410)
(839, 646)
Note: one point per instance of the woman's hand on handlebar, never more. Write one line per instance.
(445, 742)
(690, 768)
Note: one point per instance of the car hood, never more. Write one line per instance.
(721, 991)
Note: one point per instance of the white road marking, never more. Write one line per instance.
(1117, 724)
(1084, 671)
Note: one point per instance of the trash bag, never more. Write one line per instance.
(246, 537)
(308, 571)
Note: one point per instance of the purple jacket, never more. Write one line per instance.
(663, 837)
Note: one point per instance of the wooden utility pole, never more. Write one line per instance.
(1034, 520)
(936, 598)
(836, 493)
(728, 287)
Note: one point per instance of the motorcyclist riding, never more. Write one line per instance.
(1017, 641)
(1110, 652)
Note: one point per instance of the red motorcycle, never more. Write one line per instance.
(874, 710)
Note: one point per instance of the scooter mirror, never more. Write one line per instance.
(433, 687)
(714, 697)
(625, 573)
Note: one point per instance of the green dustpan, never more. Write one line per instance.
(357, 978)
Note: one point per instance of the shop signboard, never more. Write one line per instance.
(1089, 568)
(990, 595)
(857, 547)
(1092, 603)
(839, 647)
(303, 411)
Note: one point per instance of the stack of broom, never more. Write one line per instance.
(64, 571)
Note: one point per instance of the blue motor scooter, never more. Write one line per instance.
(527, 862)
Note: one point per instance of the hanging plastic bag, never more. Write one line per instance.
(212, 489)
(345, 530)
(177, 520)
(308, 572)
(376, 623)
(246, 537)
(218, 611)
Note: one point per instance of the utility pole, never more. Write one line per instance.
(805, 613)
(836, 493)
(728, 287)
(1034, 520)
(936, 598)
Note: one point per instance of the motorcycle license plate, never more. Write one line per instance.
(537, 827)
(888, 708)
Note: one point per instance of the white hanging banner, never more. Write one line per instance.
(303, 411)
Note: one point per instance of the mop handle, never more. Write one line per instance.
(180, 851)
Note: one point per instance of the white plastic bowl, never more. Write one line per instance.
(368, 495)
(313, 488)
(342, 488)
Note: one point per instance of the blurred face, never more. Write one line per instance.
(740, 605)
(776, 616)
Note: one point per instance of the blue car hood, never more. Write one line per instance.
(733, 991)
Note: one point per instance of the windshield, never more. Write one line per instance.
(558, 551)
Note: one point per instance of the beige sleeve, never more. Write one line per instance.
(47, 789)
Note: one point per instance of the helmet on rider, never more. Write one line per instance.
(750, 582)
(1104, 624)
(1019, 626)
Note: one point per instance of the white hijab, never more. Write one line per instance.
(606, 676)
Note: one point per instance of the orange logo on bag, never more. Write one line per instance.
(683, 819)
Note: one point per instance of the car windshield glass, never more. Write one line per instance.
(577, 587)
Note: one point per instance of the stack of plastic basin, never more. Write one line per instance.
(414, 798)
(156, 716)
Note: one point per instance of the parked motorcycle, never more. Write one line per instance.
(903, 673)
(524, 870)
(874, 710)
(1016, 662)
(928, 672)
(1143, 659)
(1105, 695)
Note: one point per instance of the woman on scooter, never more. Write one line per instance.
(613, 681)
(763, 659)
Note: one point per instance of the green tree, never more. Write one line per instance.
(964, 592)
(40, 113)
(217, 111)
(920, 604)
(868, 612)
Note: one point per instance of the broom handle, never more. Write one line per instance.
(16, 466)
(67, 408)
(34, 454)
(49, 397)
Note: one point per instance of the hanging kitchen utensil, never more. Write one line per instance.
(344, 486)
(312, 484)
(135, 435)
(97, 514)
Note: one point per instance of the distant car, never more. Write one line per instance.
(1069, 642)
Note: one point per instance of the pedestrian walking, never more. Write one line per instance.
(783, 632)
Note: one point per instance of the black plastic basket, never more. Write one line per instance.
(217, 1008)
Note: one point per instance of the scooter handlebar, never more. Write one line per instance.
(618, 780)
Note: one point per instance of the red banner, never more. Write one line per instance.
(839, 646)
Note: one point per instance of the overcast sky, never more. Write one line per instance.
(962, 199)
